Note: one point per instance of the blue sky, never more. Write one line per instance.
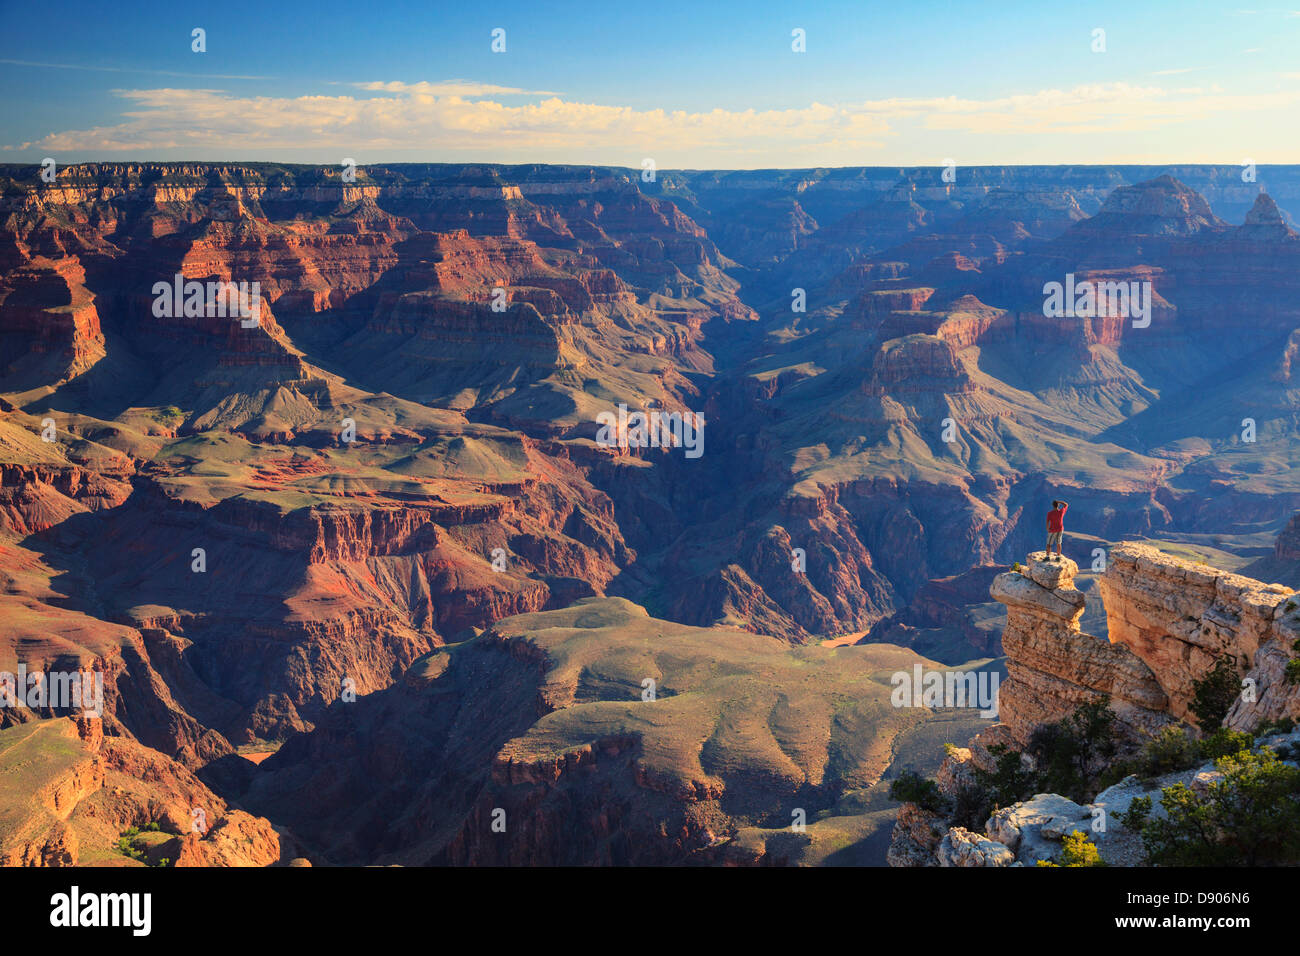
(687, 84)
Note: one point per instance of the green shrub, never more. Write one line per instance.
(911, 787)
(1135, 817)
(1077, 851)
(1214, 693)
(971, 808)
(1070, 754)
(1283, 725)
(1250, 818)
(1171, 750)
(126, 845)
(1009, 782)
(1175, 749)
(1016, 567)
(1224, 743)
(129, 844)
(1293, 671)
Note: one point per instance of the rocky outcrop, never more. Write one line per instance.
(1265, 222)
(1169, 622)
(917, 363)
(1162, 206)
(961, 847)
(1180, 618)
(51, 321)
(916, 837)
(1053, 667)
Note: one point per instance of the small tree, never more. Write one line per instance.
(911, 787)
(1070, 753)
(1213, 694)
(1250, 818)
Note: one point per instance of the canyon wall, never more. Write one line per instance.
(1180, 617)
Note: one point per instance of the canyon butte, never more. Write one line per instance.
(367, 585)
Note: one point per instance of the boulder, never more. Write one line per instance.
(961, 847)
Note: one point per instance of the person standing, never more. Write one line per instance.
(1055, 528)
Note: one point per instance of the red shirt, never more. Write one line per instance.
(1056, 519)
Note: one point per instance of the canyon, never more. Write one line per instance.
(379, 534)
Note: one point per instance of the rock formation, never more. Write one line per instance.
(1053, 667)
(1180, 618)
(1170, 620)
(73, 793)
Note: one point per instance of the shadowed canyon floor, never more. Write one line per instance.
(602, 735)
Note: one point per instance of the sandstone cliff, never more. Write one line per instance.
(1053, 667)
(1169, 621)
(1180, 617)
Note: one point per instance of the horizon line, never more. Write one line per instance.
(661, 169)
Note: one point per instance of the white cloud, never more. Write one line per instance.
(450, 88)
(458, 118)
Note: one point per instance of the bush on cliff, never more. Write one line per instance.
(1225, 743)
(1249, 818)
(1077, 851)
(1009, 782)
(1214, 693)
(1283, 725)
(1070, 754)
(911, 787)
(1067, 757)
(1175, 749)
(1171, 750)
